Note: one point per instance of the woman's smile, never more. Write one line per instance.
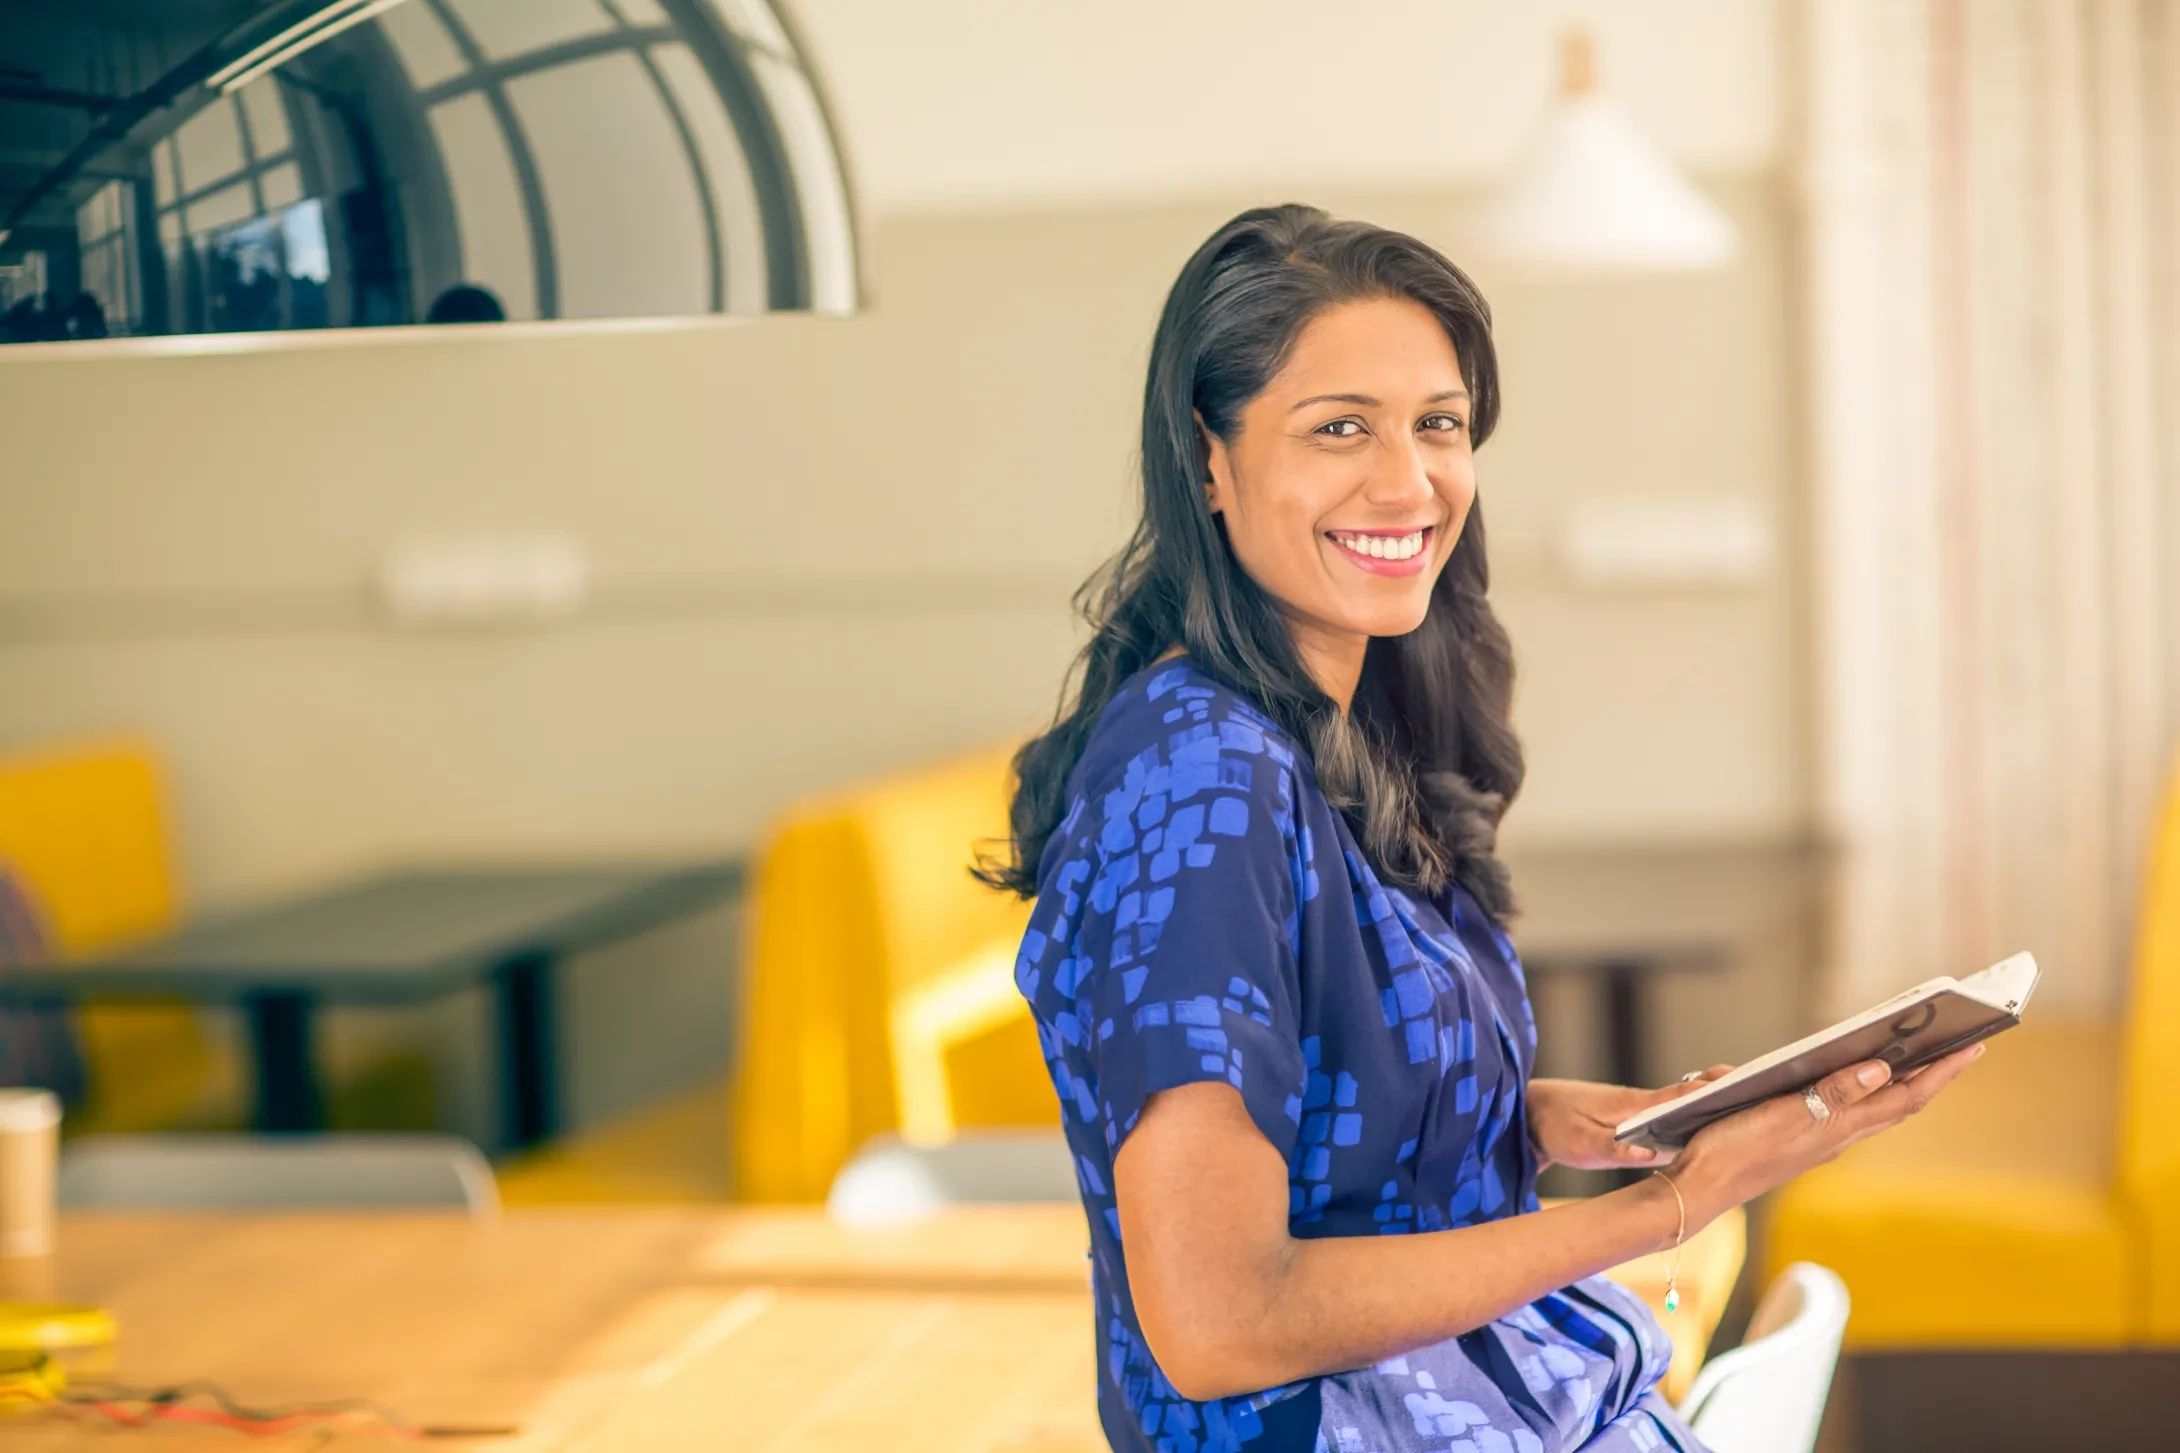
(1385, 552)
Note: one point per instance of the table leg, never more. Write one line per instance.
(1624, 1027)
(524, 991)
(283, 1041)
(1625, 1035)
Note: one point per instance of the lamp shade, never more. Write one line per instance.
(1592, 197)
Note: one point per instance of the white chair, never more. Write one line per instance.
(890, 1181)
(266, 1173)
(1767, 1395)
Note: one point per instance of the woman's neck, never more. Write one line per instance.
(1334, 659)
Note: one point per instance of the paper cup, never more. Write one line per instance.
(30, 1145)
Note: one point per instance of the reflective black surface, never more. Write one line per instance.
(198, 166)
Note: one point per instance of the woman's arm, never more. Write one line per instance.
(1231, 1303)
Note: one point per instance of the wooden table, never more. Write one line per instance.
(399, 938)
(604, 1330)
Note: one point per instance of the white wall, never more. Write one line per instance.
(953, 104)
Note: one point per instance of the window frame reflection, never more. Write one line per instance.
(295, 149)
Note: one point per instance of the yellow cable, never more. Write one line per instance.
(29, 1380)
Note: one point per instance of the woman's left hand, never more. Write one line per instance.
(1571, 1121)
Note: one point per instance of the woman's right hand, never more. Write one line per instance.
(1744, 1155)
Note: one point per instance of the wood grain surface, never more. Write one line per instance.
(598, 1330)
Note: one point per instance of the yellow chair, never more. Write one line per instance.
(2149, 1137)
(879, 982)
(83, 830)
(2006, 1215)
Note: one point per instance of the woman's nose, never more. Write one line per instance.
(1401, 480)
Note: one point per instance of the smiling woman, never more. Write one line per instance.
(1268, 960)
(1294, 395)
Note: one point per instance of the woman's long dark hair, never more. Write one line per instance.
(1426, 761)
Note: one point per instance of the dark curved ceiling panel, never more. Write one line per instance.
(175, 166)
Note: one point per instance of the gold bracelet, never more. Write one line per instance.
(1680, 1231)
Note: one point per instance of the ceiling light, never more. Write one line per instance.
(320, 26)
(1593, 197)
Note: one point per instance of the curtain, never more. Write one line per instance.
(1990, 208)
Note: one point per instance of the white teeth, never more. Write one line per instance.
(1384, 547)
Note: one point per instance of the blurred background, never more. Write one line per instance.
(566, 733)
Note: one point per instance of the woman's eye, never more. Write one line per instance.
(1341, 428)
(1443, 423)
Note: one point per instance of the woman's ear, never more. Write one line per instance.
(1217, 467)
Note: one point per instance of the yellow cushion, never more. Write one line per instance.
(1990, 1219)
(1957, 1260)
(812, 1082)
(84, 830)
(2149, 1136)
(922, 833)
(670, 1152)
(863, 901)
(952, 1057)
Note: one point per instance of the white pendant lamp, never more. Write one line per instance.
(1593, 198)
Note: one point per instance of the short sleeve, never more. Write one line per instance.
(1179, 900)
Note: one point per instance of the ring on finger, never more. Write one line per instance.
(1818, 1110)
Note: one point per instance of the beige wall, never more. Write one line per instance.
(822, 548)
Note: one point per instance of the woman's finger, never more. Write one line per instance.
(1896, 1102)
(1689, 1086)
(1598, 1148)
(1846, 1088)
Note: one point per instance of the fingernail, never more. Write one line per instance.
(1641, 1152)
(1871, 1076)
(1978, 1053)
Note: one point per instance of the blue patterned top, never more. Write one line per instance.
(1204, 914)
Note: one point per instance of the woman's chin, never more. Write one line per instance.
(1388, 620)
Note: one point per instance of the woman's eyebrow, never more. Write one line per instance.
(1370, 403)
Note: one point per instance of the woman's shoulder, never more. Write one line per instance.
(1175, 722)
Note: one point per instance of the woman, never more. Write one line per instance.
(1268, 959)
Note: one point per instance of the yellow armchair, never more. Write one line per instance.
(84, 831)
(879, 982)
(2036, 1203)
(2149, 1122)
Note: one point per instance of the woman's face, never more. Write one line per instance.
(1349, 479)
